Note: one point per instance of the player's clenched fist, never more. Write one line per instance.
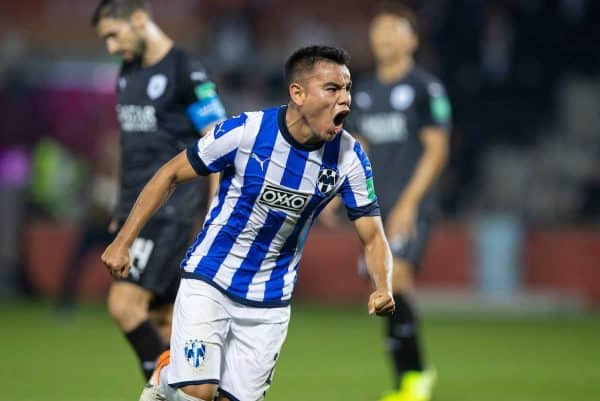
(381, 303)
(116, 259)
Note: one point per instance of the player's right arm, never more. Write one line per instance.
(154, 194)
(213, 153)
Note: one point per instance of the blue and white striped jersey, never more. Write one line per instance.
(272, 189)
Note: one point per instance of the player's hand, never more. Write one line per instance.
(116, 259)
(381, 303)
(401, 221)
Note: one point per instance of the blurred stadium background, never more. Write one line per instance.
(510, 286)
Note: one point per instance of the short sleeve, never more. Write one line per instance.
(200, 95)
(435, 109)
(217, 150)
(357, 190)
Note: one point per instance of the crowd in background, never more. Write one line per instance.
(523, 76)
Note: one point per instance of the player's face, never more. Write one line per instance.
(327, 99)
(120, 38)
(391, 37)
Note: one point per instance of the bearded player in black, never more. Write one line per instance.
(402, 114)
(165, 101)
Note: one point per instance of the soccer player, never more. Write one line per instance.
(280, 167)
(164, 101)
(402, 115)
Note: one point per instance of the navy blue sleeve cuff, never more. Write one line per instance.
(196, 162)
(372, 209)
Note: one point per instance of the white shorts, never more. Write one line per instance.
(217, 340)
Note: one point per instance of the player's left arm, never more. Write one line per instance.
(379, 263)
(434, 112)
(357, 192)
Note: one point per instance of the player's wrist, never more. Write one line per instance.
(123, 241)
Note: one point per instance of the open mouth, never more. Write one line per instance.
(339, 118)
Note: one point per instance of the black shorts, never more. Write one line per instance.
(156, 257)
(413, 248)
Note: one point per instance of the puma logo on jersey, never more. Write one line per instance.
(261, 162)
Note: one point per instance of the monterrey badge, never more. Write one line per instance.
(327, 180)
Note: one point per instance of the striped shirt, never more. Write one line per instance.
(272, 189)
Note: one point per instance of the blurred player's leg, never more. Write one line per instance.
(413, 381)
(128, 306)
(403, 341)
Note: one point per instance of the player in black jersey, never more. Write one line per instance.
(402, 115)
(164, 101)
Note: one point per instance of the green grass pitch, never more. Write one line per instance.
(330, 355)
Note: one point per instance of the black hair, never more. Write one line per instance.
(121, 9)
(304, 59)
(398, 10)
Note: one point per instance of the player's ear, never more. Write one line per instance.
(139, 19)
(297, 93)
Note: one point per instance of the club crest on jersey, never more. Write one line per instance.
(327, 180)
(195, 353)
(283, 198)
(402, 97)
(156, 86)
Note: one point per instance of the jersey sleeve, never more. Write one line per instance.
(434, 108)
(357, 190)
(216, 151)
(204, 106)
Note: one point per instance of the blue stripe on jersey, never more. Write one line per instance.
(253, 182)
(331, 153)
(364, 160)
(223, 162)
(274, 287)
(229, 125)
(347, 194)
(346, 189)
(228, 175)
(292, 177)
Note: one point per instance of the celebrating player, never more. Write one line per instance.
(403, 115)
(280, 167)
(164, 101)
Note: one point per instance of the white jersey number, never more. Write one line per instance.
(140, 252)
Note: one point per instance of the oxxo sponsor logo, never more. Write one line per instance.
(283, 198)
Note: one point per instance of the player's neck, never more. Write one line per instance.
(394, 71)
(298, 128)
(157, 46)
